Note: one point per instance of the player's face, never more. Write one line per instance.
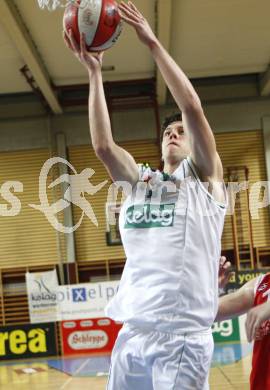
(175, 143)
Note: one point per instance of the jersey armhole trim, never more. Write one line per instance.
(193, 169)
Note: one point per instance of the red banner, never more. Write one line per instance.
(88, 336)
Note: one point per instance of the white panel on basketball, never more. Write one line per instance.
(89, 16)
(110, 41)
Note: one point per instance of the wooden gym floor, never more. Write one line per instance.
(41, 376)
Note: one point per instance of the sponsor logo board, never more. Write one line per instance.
(89, 336)
(27, 341)
(42, 298)
(84, 301)
(227, 330)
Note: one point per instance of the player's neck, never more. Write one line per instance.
(171, 166)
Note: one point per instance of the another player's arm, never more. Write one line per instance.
(118, 162)
(236, 303)
(255, 317)
(224, 272)
(204, 153)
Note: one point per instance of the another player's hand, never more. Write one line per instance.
(224, 272)
(255, 317)
(92, 61)
(134, 18)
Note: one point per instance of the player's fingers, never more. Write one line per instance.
(247, 326)
(130, 9)
(134, 8)
(227, 266)
(255, 328)
(247, 331)
(100, 56)
(125, 14)
(250, 325)
(127, 7)
(129, 21)
(66, 40)
(83, 46)
(74, 44)
(222, 261)
(128, 12)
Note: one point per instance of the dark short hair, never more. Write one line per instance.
(168, 120)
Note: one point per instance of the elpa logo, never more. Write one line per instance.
(79, 295)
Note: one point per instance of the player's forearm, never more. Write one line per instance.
(99, 120)
(234, 304)
(227, 308)
(177, 82)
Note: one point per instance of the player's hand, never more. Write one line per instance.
(224, 272)
(255, 317)
(130, 14)
(92, 61)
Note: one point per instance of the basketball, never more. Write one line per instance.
(99, 20)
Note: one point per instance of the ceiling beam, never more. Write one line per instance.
(265, 82)
(11, 19)
(164, 13)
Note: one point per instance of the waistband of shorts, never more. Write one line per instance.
(148, 328)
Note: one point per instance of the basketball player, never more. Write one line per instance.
(254, 299)
(168, 294)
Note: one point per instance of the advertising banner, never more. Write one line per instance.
(225, 331)
(27, 341)
(239, 278)
(88, 336)
(84, 301)
(41, 291)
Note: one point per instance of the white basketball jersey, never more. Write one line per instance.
(170, 280)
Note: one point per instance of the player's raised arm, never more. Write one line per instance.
(203, 146)
(119, 163)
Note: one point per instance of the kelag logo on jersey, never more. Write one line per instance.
(149, 216)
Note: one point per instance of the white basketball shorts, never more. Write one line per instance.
(144, 359)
